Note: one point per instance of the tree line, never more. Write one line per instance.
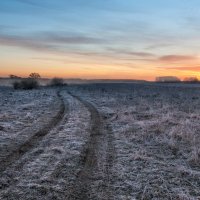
(32, 82)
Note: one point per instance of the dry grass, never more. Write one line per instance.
(157, 137)
(155, 132)
(49, 169)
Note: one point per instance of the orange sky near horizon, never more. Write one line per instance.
(95, 71)
(22, 62)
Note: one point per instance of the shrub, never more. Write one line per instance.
(57, 82)
(16, 85)
(26, 84)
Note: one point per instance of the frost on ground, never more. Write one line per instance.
(49, 169)
(122, 141)
(156, 136)
(22, 113)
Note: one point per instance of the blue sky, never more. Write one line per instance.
(138, 37)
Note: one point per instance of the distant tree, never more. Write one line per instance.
(34, 75)
(14, 76)
(191, 79)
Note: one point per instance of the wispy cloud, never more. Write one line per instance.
(48, 41)
(190, 68)
(66, 38)
(176, 58)
(131, 54)
(139, 54)
(27, 43)
(160, 45)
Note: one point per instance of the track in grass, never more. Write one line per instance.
(32, 141)
(97, 159)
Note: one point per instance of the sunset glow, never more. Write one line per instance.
(99, 39)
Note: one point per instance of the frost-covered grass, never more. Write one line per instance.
(19, 109)
(22, 113)
(49, 169)
(155, 134)
(157, 138)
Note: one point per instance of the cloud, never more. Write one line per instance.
(47, 59)
(27, 43)
(66, 38)
(131, 53)
(48, 41)
(159, 45)
(194, 68)
(72, 43)
(176, 58)
(140, 54)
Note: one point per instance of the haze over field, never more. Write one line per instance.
(110, 39)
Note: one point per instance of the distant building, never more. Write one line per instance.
(167, 79)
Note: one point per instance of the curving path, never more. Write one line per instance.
(93, 181)
(32, 141)
(70, 158)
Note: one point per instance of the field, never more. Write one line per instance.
(101, 141)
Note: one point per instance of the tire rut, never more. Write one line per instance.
(33, 140)
(90, 159)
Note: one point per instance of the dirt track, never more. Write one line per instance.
(93, 180)
(48, 160)
(32, 141)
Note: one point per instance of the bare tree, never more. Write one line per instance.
(34, 75)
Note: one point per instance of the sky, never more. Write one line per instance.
(100, 39)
